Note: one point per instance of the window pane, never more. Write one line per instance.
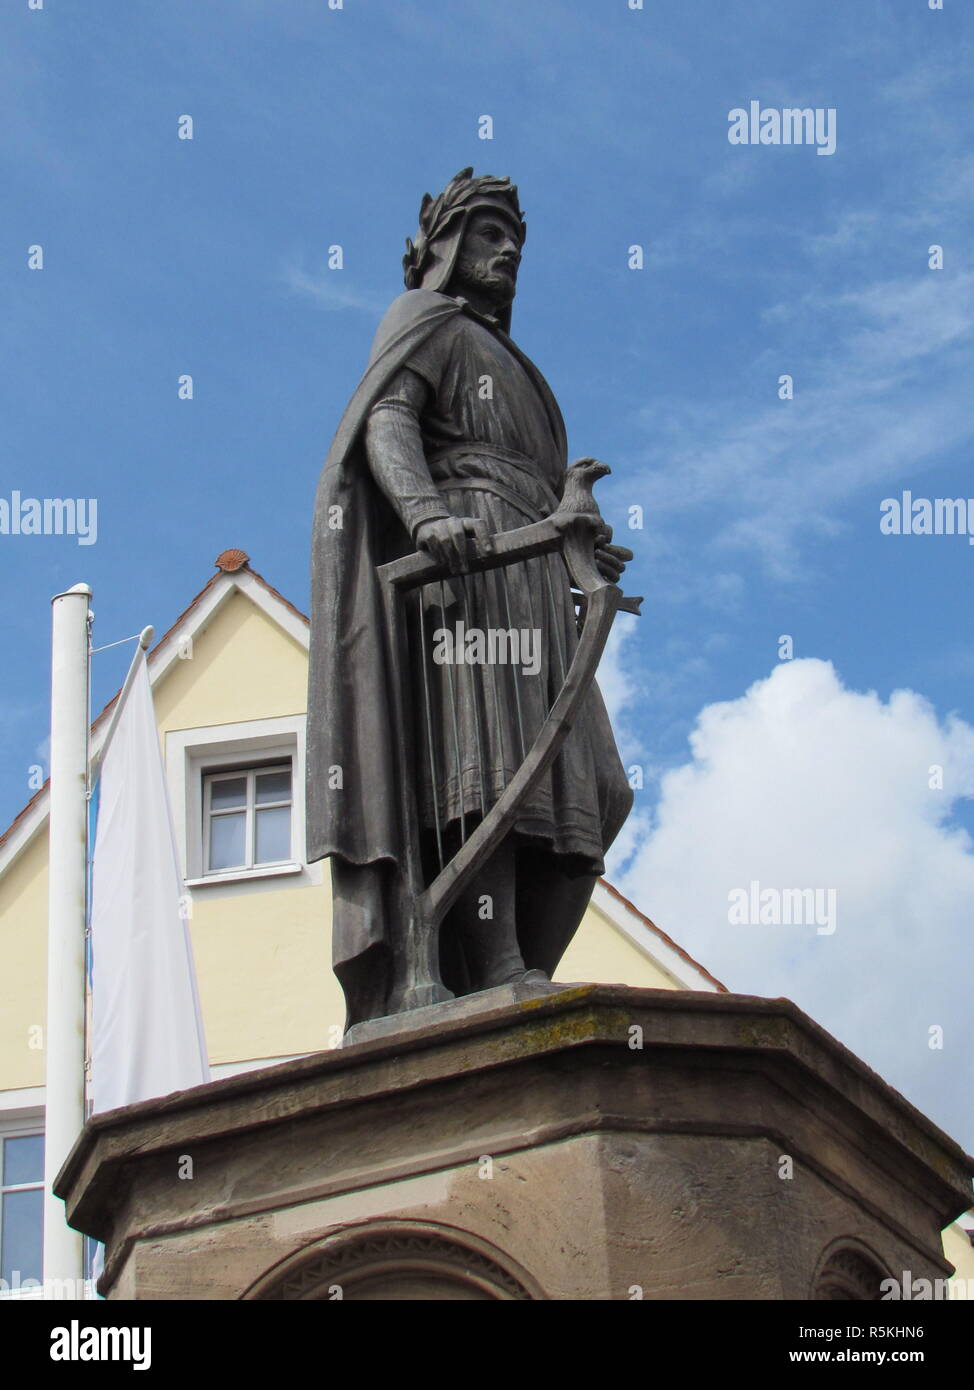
(23, 1231)
(227, 841)
(229, 791)
(274, 786)
(23, 1160)
(273, 835)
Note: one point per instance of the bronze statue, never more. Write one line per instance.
(462, 773)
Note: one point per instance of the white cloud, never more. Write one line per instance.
(330, 290)
(617, 685)
(803, 783)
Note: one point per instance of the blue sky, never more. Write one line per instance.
(315, 126)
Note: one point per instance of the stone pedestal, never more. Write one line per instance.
(584, 1142)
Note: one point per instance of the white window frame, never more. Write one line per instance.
(193, 753)
(23, 1126)
(249, 809)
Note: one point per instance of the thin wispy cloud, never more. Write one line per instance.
(869, 409)
(330, 290)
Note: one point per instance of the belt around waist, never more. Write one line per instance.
(519, 461)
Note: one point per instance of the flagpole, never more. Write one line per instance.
(65, 1029)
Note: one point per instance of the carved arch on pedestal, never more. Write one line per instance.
(381, 1260)
(848, 1270)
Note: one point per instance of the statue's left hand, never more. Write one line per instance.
(611, 560)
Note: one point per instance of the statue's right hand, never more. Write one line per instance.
(445, 539)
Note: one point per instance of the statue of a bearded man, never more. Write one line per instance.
(452, 435)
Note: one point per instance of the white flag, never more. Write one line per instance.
(147, 1032)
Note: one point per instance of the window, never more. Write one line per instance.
(21, 1208)
(238, 811)
(247, 818)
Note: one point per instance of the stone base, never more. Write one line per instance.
(579, 1142)
(435, 1015)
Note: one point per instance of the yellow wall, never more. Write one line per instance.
(600, 954)
(264, 970)
(262, 947)
(243, 667)
(23, 979)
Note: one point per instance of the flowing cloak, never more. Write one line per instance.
(352, 801)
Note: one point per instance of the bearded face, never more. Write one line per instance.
(487, 264)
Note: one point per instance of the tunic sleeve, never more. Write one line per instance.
(394, 447)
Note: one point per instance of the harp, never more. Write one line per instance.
(423, 897)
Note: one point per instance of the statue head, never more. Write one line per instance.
(469, 243)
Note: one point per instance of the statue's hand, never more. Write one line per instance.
(611, 560)
(446, 539)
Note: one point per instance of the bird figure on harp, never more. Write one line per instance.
(462, 773)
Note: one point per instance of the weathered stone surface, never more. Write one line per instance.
(524, 1148)
(436, 1015)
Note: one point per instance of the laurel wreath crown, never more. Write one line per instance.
(437, 214)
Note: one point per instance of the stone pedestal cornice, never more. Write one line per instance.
(653, 1092)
